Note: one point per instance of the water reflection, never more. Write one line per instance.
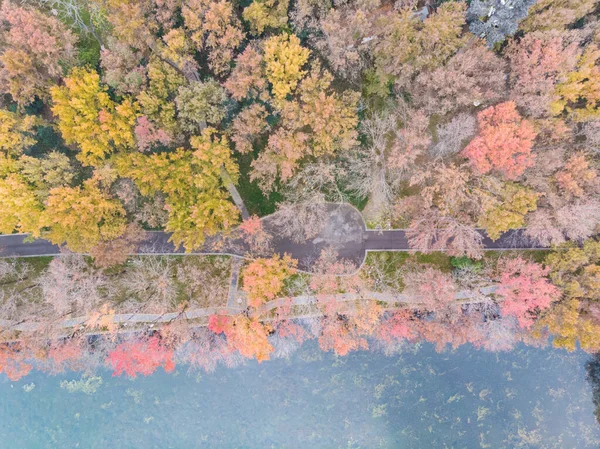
(528, 398)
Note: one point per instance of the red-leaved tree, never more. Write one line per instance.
(524, 289)
(141, 356)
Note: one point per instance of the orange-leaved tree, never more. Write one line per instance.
(504, 142)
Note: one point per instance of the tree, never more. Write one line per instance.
(12, 361)
(71, 286)
(196, 200)
(264, 278)
(16, 133)
(345, 330)
(83, 217)
(246, 335)
(576, 318)
(593, 375)
(578, 96)
(20, 208)
(263, 14)
(35, 48)
(577, 177)
(141, 356)
(46, 173)
(248, 126)
(147, 135)
(321, 123)
(504, 142)
(508, 210)
(115, 252)
(524, 289)
(214, 28)
(472, 77)
(247, 79)
(347, 34)
(200, 103)
(406, 45)
(284, 58)
(430, 288)
(538, 62)
(88, 117)
(556, 14)
(122, 68)
(452, 136)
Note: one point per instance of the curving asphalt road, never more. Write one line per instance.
(345, 231)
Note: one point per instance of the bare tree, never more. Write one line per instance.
(452, 136)
(151, 280)
(303, 213)
(71, 285)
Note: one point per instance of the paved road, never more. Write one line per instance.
(345, 231)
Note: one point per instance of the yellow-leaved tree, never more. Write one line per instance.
(197, 201)
(576, 270)
(83, 217)
(89, 118)
(579, 94)
(20, 208)
(284, 58)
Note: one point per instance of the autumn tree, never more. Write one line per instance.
(538, 62)
(576, 318)
(122, 69)
(430, 288)
(214, 29)
(35, 49)
(16, 133)
(345, 328)
(246, 335)
(507, 210)
(83, 217)
(504, 142)
(263, 14)
(248, 126)
(556, 14)
(20, 208)
(196, 200)
(247, 80)
(72, 286)
(524, 289)
(472, 77)
(200, 103)
(578, 96)
(89, 118)
(347, 38)
(406, 45)
(321, 123)
(264, 278)
(140, 356)
(13, 361)
(284, 58)
(46, 173)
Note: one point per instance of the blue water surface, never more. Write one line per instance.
(527, 398)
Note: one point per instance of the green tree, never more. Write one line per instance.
(200, 103)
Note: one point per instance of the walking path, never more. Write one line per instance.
(394, 301)
(344, 230)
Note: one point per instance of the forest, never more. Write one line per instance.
(225, 122)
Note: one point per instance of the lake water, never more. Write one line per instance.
(528, 398)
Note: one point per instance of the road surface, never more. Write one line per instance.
(345, 231)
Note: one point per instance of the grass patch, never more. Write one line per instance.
(536, 255)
